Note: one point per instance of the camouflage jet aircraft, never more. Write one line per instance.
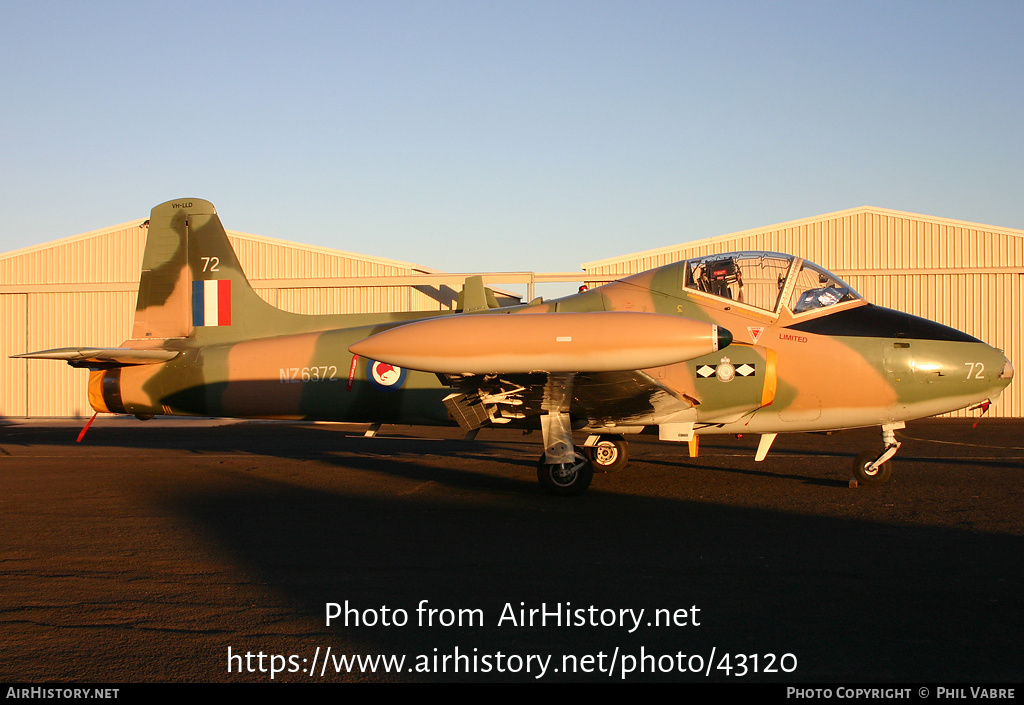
(747, 342)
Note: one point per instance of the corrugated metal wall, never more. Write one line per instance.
(108, 255)
(13, 340)
(965, 275)
(97, 318)
(82, 291)
(264, 258)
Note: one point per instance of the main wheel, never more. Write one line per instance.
(565, 479)
(877, 476)
(609, 454)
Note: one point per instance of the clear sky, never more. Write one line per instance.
(493, 135)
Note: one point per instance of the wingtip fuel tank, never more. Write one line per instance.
(597, 341)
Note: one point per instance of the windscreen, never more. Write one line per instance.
(819, 288)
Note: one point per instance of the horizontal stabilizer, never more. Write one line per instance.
(106, 357)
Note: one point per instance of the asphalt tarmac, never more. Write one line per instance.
(213, 551)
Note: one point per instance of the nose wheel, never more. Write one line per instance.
(869, 472)
(874, 468)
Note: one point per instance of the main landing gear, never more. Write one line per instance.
(566, 479)
(604, 453)
(872, 467)
(608, 453)
(563, 469)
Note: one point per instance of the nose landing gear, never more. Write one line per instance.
(873, 468)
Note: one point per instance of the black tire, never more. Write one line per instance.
(566, 479)
(610, 454)
(878, 476)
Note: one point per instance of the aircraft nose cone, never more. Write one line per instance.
(998, 371)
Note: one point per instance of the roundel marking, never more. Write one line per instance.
(725, 371)
(385, 377)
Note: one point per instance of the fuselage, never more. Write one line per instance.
(808, 354)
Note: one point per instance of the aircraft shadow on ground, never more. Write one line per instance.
(718, 453)
(855, 600)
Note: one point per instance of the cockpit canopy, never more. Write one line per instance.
(767, 280)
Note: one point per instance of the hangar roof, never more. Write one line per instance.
(860, 238)
(114, 254)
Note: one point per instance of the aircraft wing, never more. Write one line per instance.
(627, 398)
(102, 357)
(604, 399)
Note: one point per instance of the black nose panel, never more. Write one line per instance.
(877, 322)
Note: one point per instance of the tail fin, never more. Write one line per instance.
(191, 283)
